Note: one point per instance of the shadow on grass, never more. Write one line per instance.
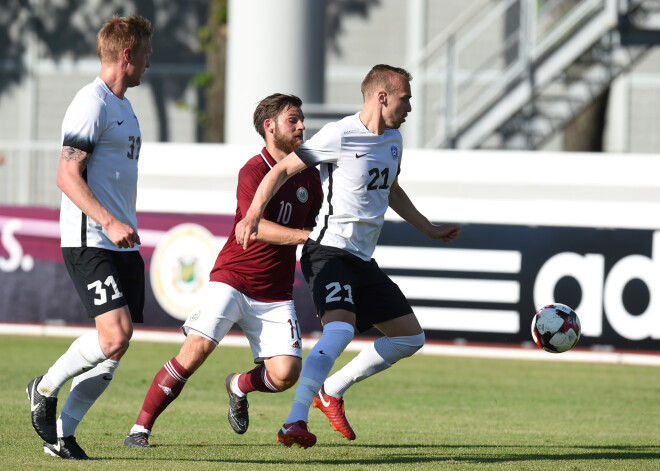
(423, 453)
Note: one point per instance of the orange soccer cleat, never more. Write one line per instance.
(333, 408)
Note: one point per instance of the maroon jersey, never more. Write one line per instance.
(263, 271)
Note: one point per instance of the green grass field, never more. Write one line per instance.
(426, 413)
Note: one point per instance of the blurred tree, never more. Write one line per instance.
(33, 30)
(336, 11)
(213, 38)
(37, 30)
(30, 29)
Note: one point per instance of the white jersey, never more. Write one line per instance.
(357, 169)
(100, 123)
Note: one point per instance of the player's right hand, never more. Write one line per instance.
(246, 230)
(123, 235)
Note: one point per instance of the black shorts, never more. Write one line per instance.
(107, 279)
(340, 280)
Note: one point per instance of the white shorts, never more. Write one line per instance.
(271, 328)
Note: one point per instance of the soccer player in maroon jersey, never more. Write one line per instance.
(252, 288)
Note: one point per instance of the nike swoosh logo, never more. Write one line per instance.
(57, 446)
(357, 156)
(33, 406)
(325, 404)
(119, 123)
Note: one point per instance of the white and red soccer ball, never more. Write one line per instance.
(556, 328)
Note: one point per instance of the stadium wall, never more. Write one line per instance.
(581, 229)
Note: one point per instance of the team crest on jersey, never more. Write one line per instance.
(395, 152)
(302, 194)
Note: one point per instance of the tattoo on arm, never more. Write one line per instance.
(71, 154)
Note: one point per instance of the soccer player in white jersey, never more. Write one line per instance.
(359, 158)
(98, 177)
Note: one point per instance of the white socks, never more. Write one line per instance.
(233, 385)
(374, 358)
(139, 429)
(85, 390)
(317, 365)
(83, 355)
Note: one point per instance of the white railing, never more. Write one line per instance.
(478, 57)
(28, 173)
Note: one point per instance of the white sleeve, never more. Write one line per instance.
(83, 122)
(324, 146)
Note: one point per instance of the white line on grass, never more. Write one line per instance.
(432, 347)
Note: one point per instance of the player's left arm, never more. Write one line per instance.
(401, 204)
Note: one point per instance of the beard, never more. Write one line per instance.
(287, 144)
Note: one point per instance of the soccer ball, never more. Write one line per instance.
(556, 328)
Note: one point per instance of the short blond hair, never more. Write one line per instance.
(119, 33)
(382, 76)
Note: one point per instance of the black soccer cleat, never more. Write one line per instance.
(67, 448)
(43, 411)
(238, 409)
(138, 439)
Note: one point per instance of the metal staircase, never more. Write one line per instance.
(531, 81)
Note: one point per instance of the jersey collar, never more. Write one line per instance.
(270, 161)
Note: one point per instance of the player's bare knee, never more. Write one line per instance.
(285, 373)
(115, 347)
(288, 379)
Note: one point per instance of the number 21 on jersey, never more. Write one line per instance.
(336, 293)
